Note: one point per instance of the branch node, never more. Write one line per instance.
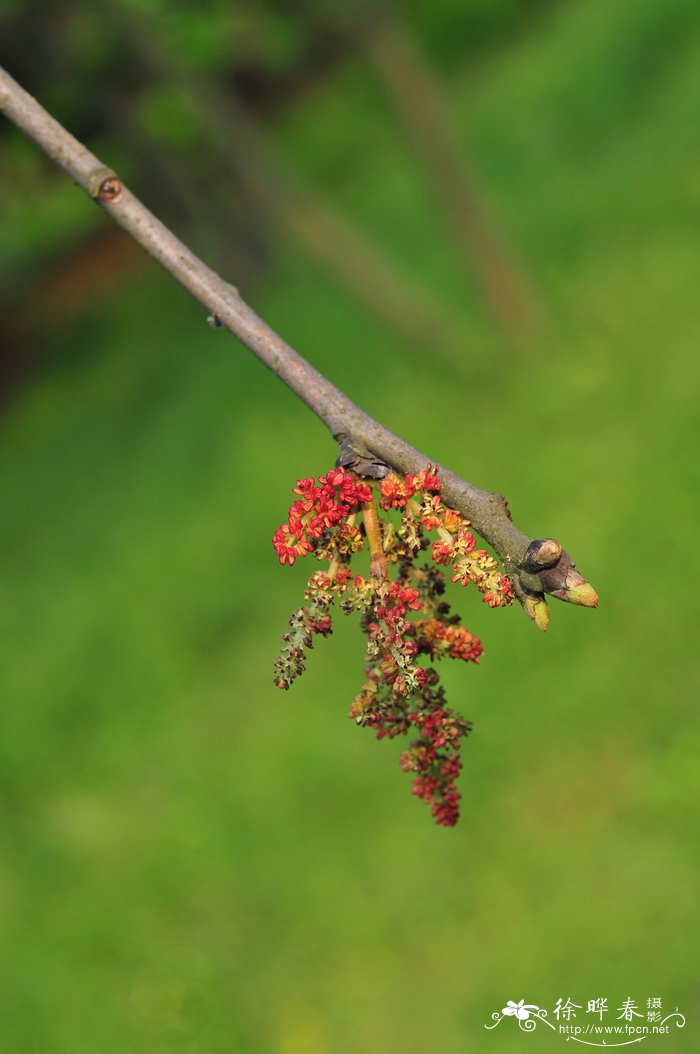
(356, 457)
(109, 188)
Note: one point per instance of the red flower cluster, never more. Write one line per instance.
(500, 594)
(436, 782)
(398, 695)
(443, 553)
(399, 600)
(396, 490)
(436, 638)
(320, 506)
(457, 546)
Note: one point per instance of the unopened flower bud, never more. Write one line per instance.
(581, 593)
(541, 554)
(536, 609)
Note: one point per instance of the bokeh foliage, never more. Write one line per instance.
(192, 861)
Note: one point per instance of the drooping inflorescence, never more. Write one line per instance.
(400, 603)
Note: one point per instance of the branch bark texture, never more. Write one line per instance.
(527, 561)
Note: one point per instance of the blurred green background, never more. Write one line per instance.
(192, 860)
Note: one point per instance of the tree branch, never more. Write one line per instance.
(536, 566)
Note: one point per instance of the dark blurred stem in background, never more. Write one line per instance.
(304, 214)
(216, 216)
(529, 562)
(418, 96)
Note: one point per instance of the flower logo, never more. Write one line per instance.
(520, 1010)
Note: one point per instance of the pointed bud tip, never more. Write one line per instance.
(584, 595)
(541, 618)
(537, 611)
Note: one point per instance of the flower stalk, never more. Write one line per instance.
(378, 567)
